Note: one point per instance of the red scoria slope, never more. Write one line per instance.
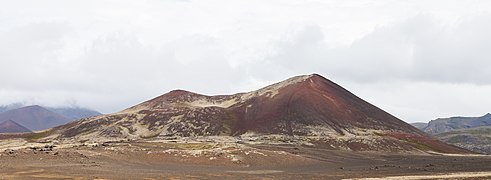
(314, 101)
(304, 106)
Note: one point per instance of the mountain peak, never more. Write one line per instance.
(11, 126)
(9, 122)
(315, 75)
(313, 79)
(279, 85)
(37, 107)
(34, 117)
(179, 91)
(180, 95)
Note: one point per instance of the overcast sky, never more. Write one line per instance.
(418, 60)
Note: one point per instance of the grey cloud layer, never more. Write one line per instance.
(110, 55)
(417, 49)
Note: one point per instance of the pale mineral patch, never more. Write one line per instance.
(461, 175)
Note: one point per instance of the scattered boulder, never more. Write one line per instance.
(10, 151)
(47, 147)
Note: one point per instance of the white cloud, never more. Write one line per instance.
(109, 55)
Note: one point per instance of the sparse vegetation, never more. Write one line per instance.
(474, 139)
(36, 136)
(194, 146)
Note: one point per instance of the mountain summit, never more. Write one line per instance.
(309, 109)
(34, 117)
(297, 106)
(37, 118)
(10, 126)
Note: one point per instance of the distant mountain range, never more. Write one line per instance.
(35, 118)
(74, 113)
(472, 133)
(419, 125)
(442, 125)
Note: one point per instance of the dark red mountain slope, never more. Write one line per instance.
(314, 101)
(308, 109)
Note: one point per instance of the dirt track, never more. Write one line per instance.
(178, 161)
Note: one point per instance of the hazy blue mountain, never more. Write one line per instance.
(34, 117)
(38, 118)
(10, 126)
(420, 125)
(75, 113)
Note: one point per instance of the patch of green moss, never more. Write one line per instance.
(457, 139)
(36, 136)
(228, 124)
(378, 134)
(194, 146)
(418, 144)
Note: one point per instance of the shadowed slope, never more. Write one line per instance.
(10, 126)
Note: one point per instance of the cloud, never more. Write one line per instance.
(110, 55)
(30, 54)
(417, 49)
(419, 68)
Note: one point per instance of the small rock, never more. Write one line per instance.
(10, 151)
(429, 165)
(94, 145)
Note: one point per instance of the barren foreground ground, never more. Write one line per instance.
(157, 160)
